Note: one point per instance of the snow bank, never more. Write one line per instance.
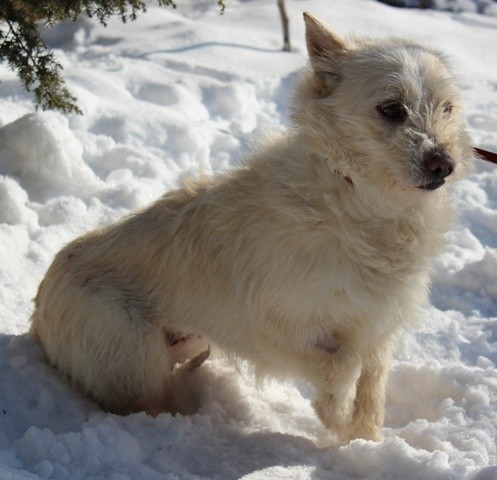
(479, 6)
(44, 155)
(187, 90)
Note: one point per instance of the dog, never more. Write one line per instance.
(307, 260)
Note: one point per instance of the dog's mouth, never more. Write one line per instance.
(433, 185)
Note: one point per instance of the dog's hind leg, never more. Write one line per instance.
(107, 339)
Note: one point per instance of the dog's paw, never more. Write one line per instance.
(335, 410)
(181, 347)
(366, 423)
(195, 362)
(353, 431)
(342, 423)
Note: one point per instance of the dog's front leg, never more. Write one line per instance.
(337, 376)
(369, 405)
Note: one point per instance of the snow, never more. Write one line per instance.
(184, 90)
(480, 6)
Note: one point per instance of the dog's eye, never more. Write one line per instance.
(447, 108)
(393, 111)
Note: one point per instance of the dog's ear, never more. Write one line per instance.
(326, 52)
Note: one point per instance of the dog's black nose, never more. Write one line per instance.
(438, 163)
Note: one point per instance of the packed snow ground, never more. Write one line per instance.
(179, 91)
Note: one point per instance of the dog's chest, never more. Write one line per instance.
(368, 271)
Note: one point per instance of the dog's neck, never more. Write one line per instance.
(361, 197)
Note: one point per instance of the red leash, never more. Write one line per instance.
(488, 156)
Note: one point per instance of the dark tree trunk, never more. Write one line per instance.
(284, 21)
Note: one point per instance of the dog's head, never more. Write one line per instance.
(387, 112)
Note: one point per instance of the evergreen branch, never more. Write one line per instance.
(37, 68)
(24, 51)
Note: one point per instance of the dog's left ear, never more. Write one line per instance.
(327, 52)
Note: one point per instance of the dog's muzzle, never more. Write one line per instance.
(437, 165)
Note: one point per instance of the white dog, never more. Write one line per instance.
(307, 260)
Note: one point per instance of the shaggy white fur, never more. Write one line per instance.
(307, 260)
